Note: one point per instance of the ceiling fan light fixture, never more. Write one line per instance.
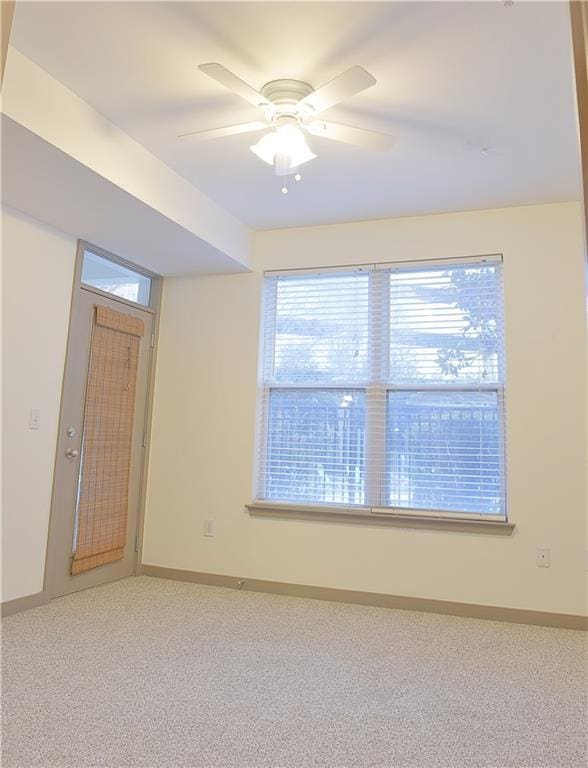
(290, 108)
(286, 144)
(265, 148)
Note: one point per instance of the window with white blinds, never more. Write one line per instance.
(383, 387)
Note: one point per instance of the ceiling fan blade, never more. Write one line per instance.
(230, 130)
(223, 76)
(350, 82)
(346, 133)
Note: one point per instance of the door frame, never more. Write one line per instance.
(52, 553)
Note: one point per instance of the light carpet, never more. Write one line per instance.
(152, 673)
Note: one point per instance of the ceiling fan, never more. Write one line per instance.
(290, 109)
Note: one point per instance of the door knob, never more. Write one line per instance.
(72, 453)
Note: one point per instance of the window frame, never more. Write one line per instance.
(376, 390)
(155, 279)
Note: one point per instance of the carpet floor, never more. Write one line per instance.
(149, 673)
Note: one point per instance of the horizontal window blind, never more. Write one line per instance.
(446, 325)
(384, 388)
(318, 328)
(316, 352)
(443, 451)
(315, 446)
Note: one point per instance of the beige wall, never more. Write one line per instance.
(37, 275)
(202, 442)
(202, 446)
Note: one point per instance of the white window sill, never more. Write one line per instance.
(369, 516)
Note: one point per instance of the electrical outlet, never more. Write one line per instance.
(208, 528)
(35, 419)
(543, 557)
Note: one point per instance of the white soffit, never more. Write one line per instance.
(49, 185)
(67, 165)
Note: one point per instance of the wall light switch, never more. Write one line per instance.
(208, 528)
(543, 557)
(35, 419)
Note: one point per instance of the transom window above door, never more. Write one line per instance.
(383, 387)
(116, 278)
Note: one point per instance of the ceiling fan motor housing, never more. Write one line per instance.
(285, 95)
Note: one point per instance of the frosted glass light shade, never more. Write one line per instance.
(286, 142)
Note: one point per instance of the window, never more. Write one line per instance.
(113, 277)
(382, 387)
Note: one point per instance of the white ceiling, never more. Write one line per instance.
(452, 78)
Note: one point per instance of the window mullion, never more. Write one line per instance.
(375, 458)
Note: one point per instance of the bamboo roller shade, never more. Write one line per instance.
(102, 508)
